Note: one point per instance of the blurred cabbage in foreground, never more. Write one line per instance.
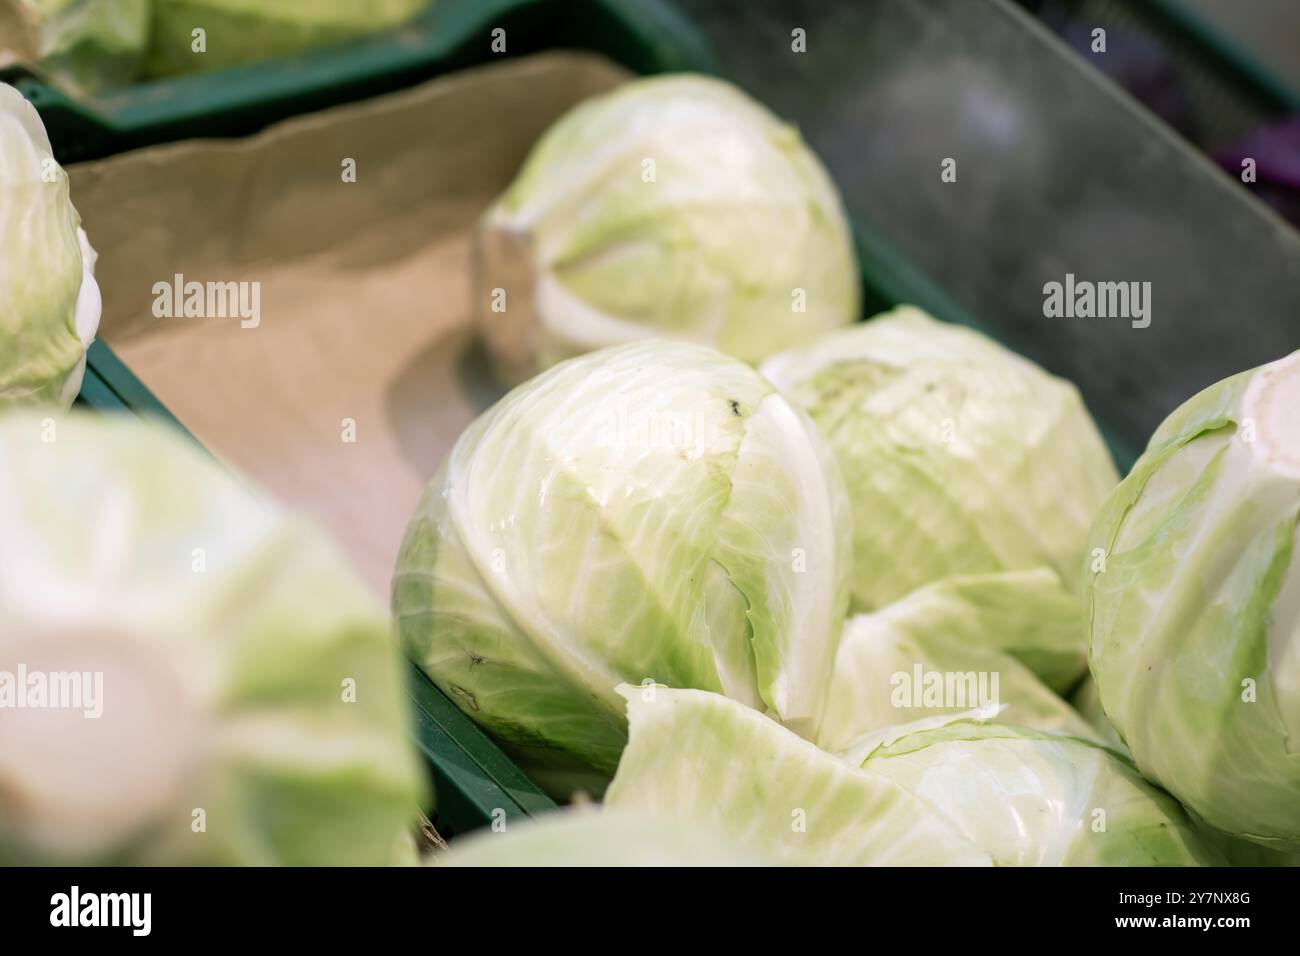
(187, 674)
(49, 301)
(672, 207)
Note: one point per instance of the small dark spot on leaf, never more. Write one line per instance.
(735, 408)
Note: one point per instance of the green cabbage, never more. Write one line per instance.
(1194, 605)
(250, 704)
(86, 46)
(941, 791)
(49, 302)
(1035, 799)
(734, 237)
(960, 457)
(245, 31)
(92, 47)
(654, 512)
(707, 760)
(975, 643)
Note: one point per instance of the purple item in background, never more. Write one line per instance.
(1141, 66)
(1276, 151)
(1136, 62)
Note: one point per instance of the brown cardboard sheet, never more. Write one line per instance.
(364, 286)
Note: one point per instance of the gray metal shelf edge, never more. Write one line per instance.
(474, 781)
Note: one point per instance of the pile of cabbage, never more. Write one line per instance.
(815, 592)
(773, 586)
(645, 572)
(828, 609)
(96, 46)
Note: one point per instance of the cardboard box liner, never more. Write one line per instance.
(364, 286)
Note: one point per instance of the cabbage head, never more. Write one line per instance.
(245, 31)
(960, 457)
(228, 689)
(653, 512)
(91, 47)
(1194, 605)
(673, 207)
(86, 46)
(49, 302)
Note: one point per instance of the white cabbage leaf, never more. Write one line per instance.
(960, 644)
(707, 760)
(654, 512)
(1030, 798)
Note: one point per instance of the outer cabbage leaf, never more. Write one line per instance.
(957, 645)
(705, 759)
(1036, 799)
